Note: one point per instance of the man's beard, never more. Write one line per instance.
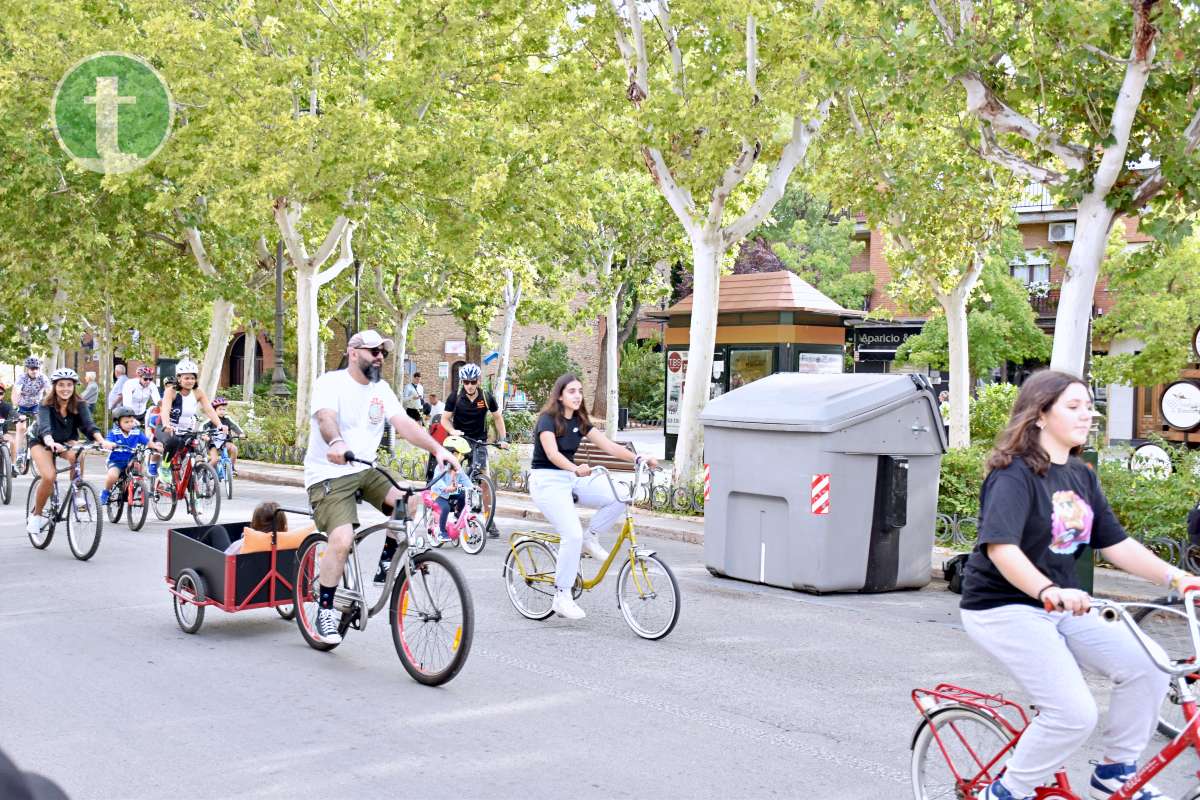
(373, 372)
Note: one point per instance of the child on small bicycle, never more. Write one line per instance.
(124, 434)
(1040, 507)
(217, 441)
(556, 481)
(450, 491)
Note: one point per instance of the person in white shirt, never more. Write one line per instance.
(435, 406)
(141, 394)
(349, 407)
(414, 398)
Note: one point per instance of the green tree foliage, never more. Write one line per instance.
(818, 245)
(642, 381)
(1000, 327)
(541, 367)
(990, 410)
(1157, 291)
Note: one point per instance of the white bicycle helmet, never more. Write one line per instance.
(185, 366)
(468, 372)
(64, 374)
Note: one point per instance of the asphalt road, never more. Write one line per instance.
(759, 692)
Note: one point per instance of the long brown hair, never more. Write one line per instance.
(51, 399)
(267, 517)
(1021, 439)
(554, 406)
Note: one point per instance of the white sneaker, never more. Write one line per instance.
(565, 606)
(592, 548)
(36, 524)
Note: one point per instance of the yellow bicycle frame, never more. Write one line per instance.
(627, 534)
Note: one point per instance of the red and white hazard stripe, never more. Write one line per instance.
(707, 483)
(820, 494)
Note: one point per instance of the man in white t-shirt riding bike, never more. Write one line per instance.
(349, 407)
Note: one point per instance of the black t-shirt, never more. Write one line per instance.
(470, 416)
(1050, 517)
(568, 443)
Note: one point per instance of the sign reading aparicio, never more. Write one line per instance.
(881, 341)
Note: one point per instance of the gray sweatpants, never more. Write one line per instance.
(1044, 651)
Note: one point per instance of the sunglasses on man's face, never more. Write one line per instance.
(375, 351)
(470, 383)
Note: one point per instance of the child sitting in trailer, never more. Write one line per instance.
(268, 517)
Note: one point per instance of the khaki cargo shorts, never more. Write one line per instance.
(334, 502)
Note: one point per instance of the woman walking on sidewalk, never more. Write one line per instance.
(1040, 507)
(556, 482)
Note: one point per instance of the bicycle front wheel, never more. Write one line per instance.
(473, 536)
(971, 740)
(306, 591)
(433, 619)
(483, 499)
(40, 540)
(529, 574)
(205, 495)
(1169, 627)
(139, 501)
(85, 525)
(5, 475)
(648, 596)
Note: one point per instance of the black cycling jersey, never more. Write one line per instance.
(63, 428)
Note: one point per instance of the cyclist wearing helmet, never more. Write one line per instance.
(140, 394)
(466, 415)
(221, 406)
(61, 417)
(28, 392)
(182, 404)
(124, 433)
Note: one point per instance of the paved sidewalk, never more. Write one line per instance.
(1110, 583)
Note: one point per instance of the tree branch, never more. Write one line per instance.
(198, 252)
(734, 175)
(1104, 54)
(287, 215)
(663, 15)
(325, 251)
(383, 295)
(1155, 181)
(992, 151)
(162, 237)
(639, 87)
(679, 198)
(793, 154)
(752, 58)
(943, 23)
(987, 106)
(344, 260)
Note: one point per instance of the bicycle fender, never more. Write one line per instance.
(942, 708)
(644, 552)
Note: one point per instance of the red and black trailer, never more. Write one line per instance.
(201, 575)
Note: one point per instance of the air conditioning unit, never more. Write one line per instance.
(1062, 232)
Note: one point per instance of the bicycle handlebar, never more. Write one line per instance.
(640, 466)
(1112, 611)
(408, 491)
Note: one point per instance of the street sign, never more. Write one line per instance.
(443, 369)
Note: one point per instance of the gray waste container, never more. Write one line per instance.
(824, 483)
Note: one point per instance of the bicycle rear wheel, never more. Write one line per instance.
(433, 619)
(529, 573)
(971, 739)
(205, 495)
(162, 499)
(306, 591)
(1170, 630)
(40, 540)
(116, 503)
(85, 524)
(139, 501)
(648, 596)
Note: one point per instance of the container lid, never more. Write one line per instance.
(790, 401)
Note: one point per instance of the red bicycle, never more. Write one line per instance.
(192, 481)
(964, 736)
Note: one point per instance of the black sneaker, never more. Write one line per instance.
(493, 531)
(327, 626)
(381, 573)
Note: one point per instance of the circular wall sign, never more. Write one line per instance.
(1196, 342)
(1180, 405)
(1151, 461)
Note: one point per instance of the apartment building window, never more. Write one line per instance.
(1032, 269)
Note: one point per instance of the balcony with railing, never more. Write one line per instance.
(1044, 299)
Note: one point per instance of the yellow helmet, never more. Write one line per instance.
(457, 445)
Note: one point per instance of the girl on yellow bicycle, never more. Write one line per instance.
(1040, 507)
(556, 482)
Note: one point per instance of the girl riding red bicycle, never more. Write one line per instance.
(1040, 506)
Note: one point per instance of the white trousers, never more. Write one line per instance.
(1044, 651)
(551, 490)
